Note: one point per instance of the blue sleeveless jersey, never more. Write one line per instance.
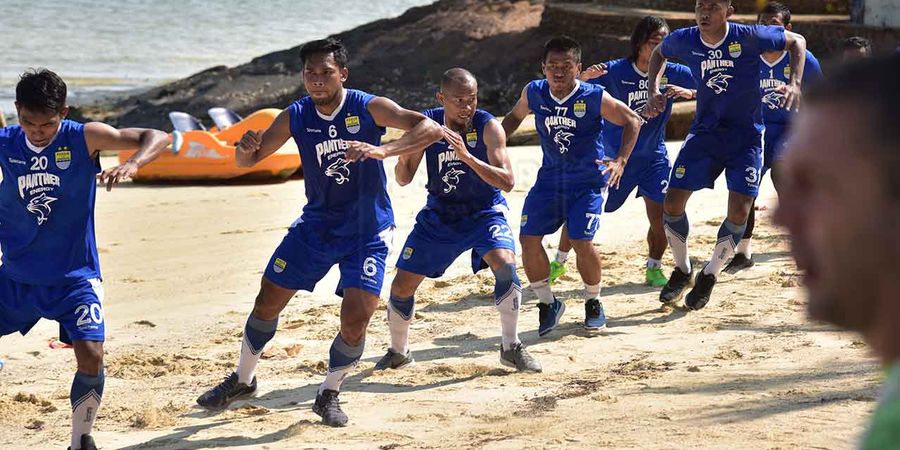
(454, 189)
(627, 84)
(47, 208)
(775, 75)
(569, 130)
(727, 74)
(343, 198)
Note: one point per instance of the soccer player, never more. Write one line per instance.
(837, 209)
(465, 211)
(572, 182)
(775, 72)
(648, 168)
(50, 268)
(347, 219)
(726, 133)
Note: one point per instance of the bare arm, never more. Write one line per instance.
(497, 171)
(406, 167)
(657, 101)
(100, 136)
(796, 47)
(253, 147)
(515, 117)
(420, 132)
(620, 114)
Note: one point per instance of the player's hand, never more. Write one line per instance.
(456, 141)
(615, 168)
(361, 151)
(673, 91)
(656, 104)
(249, 143)
(114, 175)
(595, 71)
(791, 99)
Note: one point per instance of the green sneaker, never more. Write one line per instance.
(556, 270)
(654, 277)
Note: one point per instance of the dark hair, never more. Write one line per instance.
(856, 42)
(775, 8)
(562, 44)
(329, 45)
(41, 90)
(457, 75)
(868, 83)
(642, 31)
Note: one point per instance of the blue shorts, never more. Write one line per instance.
(308, 252)
(546, 210)
(434, 244)
(773, 148)
(76, 306)
(704, 155)
(651, 177)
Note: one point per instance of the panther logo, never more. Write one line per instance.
(562, 140)
(339, 171)
(451, 178)
(40, 206)
(718, 82)
(773, 99)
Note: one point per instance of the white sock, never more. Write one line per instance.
(342, 359)
(247, 363)
(85, 398)
(508, 306)
(399, 330)
(653, 263)
(561, 256)
(677, 229)
(591, 291)
(257, 333)
(744, 248)
(542, 290)
(729, 234)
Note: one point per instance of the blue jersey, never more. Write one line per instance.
(47, 208)
(569, 130)
(454, 189)
(727, 73)
(626, 83)
(775, 75)
(343, 198)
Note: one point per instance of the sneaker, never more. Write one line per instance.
(87, 443)
(655, 277)
(394, 360)
(674, 288)
(594, 317)
(549, 315)
(739, 263)
(226, 392)
(518, 358)
(556, 270)
(699, 295)
(328, 407)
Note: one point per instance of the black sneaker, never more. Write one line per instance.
(739, 263)
(394, 360)
(87, 443)
(594, 316)
(518, 358)
(699, 295)
(549, 315)
(674, 288)
(226, 392)
(328, 407)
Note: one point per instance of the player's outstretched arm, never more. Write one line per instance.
(497, 171)
(656, 100)
(420, 132)
(255, 146)
(620, 114)
(515, 117)
(594, 71)
(100, 136)
(406, 167)
(796, 47)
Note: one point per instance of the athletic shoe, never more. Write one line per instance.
(594, 317)
(556, 270)
(328, 407)
(549, 315)
(394, 360)
(739, 263)
(519, 358)
(655, 277)
(674, 288)
(226, 392)
(699, 295)
(87, 443)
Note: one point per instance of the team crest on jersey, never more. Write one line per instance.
(407, 253)
(279, 265)
(472, 139)
(718, 82)
(524, 219)
(663, 82)
(679, 172)
(562, 140)
(40, 207)
(580, 109)
(339, 171)
(787, 71)
(734, 49)
(451, 179)
(63, 158)
(352, 123)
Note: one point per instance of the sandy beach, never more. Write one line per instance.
(182, 266)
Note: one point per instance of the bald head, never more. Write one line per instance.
(458, 78)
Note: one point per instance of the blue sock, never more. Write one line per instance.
(506, 279)
(729, 237)
(677, 230)
(342, 358)
(85, 397)
(257, 333)
(403, 306)
(507, 297)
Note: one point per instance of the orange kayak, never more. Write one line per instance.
(209, 155)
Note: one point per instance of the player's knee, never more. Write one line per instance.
(89, 357)
(403, 287)
(354, 330)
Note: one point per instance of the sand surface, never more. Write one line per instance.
(182, 267)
